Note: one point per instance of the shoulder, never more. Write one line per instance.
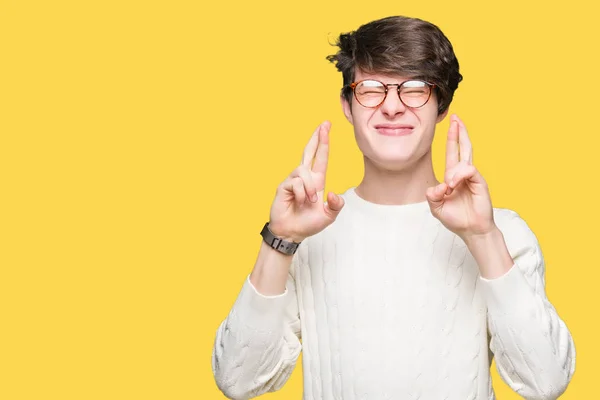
(514, 228)
(520, 239)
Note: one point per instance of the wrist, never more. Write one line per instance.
(280, 243)
(484, 238)
(284, 234)
(490, 252)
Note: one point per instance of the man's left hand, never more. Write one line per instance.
(462, 202)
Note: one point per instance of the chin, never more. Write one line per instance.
(395, 162)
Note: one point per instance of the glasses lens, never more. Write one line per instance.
(370, 93)
(415, 93)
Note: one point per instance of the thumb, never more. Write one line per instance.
(334, 205)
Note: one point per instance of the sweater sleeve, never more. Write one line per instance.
(258, 344)
(534, 350)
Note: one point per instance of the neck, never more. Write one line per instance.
(404, 186)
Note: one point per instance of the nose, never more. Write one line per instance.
(392, 105)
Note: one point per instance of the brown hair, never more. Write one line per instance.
(399, 45)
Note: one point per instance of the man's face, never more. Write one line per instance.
(392, 136)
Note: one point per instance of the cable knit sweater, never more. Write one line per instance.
(386, 303)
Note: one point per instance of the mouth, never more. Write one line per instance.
(394, 129)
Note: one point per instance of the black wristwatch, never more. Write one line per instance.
(278, 244)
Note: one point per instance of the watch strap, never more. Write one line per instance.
(277, 243)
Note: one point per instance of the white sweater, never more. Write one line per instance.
(386, 303)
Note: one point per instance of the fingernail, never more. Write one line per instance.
(451, 183)
(314, 198)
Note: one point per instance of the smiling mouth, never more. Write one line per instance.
(394, 130)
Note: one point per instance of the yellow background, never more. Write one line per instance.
(142, 142)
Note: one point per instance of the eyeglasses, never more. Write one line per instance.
(371, 93)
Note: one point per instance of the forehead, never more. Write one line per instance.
(382, 77)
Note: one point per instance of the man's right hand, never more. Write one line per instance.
(299, 209)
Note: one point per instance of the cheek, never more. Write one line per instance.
(428, 120)
(361, 116)
(428, 130)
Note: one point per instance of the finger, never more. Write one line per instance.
(466, 149)
(435, 194)
(322, 155)
(452, 173)
(294, 189)
(449, 173)
(334, 205)
(452, 145)
(309, 185)
(465, 172)
(311, 147)
(299, 192)
(449, 190)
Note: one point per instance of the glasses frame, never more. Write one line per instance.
(353, 86)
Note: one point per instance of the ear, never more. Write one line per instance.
(347, 108)
(441, 117)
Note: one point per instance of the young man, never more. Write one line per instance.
(404, 287)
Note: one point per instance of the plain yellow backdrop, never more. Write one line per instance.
(142, 142)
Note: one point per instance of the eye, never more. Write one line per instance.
(371, 88)
(415, 88)
(414, 91)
